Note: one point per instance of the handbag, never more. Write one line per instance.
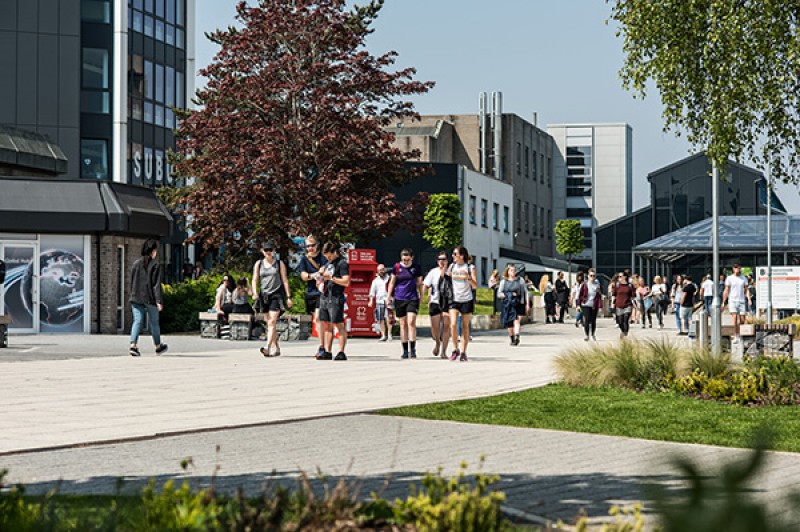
(445, 289)
(648, 304)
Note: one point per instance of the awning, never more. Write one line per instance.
(36, 205)
(27, 149)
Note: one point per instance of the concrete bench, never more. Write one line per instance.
(290, 327)
(4, 321)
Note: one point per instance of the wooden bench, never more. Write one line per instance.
(4, 321)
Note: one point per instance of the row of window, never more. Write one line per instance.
(163, 20)
(531, 219)
(485, 214)
(579, 171)
(528, 163)
(154, 90)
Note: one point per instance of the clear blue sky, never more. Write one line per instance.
(556, 58)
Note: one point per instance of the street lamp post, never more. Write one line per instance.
(769, 246)
(716, 321)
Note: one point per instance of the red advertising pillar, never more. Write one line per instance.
(359, 315)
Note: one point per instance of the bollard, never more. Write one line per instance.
(702, 330)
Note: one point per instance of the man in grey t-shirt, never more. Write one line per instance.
(738, 298)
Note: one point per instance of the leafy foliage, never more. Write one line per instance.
(727, 73)
(569, 237)
(443, 223)
(289, 136)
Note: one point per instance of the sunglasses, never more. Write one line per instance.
(405, 255)
(441, 258)
(312, 245)
(267, 250)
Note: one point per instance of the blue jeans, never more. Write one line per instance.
(708, 300)
(139, 310)
(677, 307)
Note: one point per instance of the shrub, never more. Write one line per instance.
(713, 365)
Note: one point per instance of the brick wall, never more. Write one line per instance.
(105, 268)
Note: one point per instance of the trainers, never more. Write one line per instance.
(384, 338)
(463, 357)
(454, 355)
(412, 353)
(325, 356)
(135, 352)
(736, 340)
(404, 355)
(340, 356)
(162, 348)
(586, 338)
(320, 351)
(594, 338)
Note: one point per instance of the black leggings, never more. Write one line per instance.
(589, 320)
(624, 320)
(661, 309)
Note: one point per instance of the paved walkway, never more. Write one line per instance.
(272, 418)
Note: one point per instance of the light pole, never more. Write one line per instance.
(716, 318)
(769, 246)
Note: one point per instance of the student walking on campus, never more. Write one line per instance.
(645, 298)
(514, 294)
(309, 267)
(271, 283)
(378, 297)
(465, 282)
(573, 298)
(738, 299)
(562, 296)
(660, 299)
(624, 295)
(336, 275)
(548, 292)
(677, 297)
(437, 308)
(687, 302)
(146, 297)
(590, 299)
(405, 288)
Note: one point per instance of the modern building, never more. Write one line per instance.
(96, 80)
(502, 145)
(680, 196)
(487, 217)
(593, 176)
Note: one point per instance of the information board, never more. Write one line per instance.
(785, 287)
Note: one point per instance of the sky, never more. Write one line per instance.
(558, 59)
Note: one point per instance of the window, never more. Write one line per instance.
(549, 171)
(95, 95)
(519, 213)
(148, 112)
(148, 79)
(579, 212)
(171, 11)
(180, 96)
(534, 220)
(527, 161)
(138, 21)
(484, 213)
(159, 94)
(541, 221)
(169, 97)
(159, 30)
(534, 166)
(96, 11)
(541, 168)
(94, 159)
(505, 219)
(169, 37)
(472, 209)
(179, 13)
(519, 158)
(549, 224)
(160, 8)
(484, 267)
(495, 216)
(526, 217)
(148, 25)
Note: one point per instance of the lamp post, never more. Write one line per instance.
(716, 318)
(769, 246)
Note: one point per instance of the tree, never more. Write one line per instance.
(728, 73)
(569, 239)
(443, 223)
(291, 133)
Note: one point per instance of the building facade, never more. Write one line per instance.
(593, 170)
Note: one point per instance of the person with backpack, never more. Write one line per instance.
(464, 282)
(514, 294)
(405, 288)
(271, 284)
(623, 294)
(146, 297)
(438, 293)
(590, 300)
(336, 277)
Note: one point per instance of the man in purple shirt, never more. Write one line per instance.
(405, 287)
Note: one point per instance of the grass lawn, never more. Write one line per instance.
(619, 412)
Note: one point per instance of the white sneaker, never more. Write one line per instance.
(736, 340)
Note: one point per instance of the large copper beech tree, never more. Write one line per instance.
(289, 137)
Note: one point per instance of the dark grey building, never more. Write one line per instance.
(680, 195)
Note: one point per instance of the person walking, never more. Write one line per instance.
(677, 296)
(465, 282)
(660, 299)
(645, 298)
(269, 274)
(437, 308)
(514, 294)
(336, 277)
(562, 296)
(590, 300)
(405, 288)
(738, 299)
(548, 292)
(573, 298)
(378, 296)
(687, 302)
(146, 297)
(751, 293)
(707, 293)
(311, 263)
(624, 295)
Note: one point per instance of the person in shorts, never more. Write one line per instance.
(271, 283)
(405, 287)
(440, 319)
(738, 297)
(465, 282)
(309, 267)
(378, 297)
(336, 277)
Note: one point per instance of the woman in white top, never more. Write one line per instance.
(464, 280)
(660, 299)
(677, 296)
(440, 320)
(548, 292)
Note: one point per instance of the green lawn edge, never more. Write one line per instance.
(620, 412)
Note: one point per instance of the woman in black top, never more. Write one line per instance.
(562, 296)
(146, 297)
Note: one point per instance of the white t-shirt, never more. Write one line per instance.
(462, 289)
(378, 290)
(432, 281)
(737, 284)
(708, 288)
(658, 289)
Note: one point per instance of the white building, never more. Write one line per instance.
(593, 177)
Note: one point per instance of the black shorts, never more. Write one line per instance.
(434, 309)
(467, 307)
(401, 307)
(312, 303)
(273, 302)
(331, 310)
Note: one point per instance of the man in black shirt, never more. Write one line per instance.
(687, 301)
(309, 269)
(336, 275)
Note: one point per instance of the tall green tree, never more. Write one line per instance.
(727, 71)
(290, 135)
(569, 239)
(443, 223)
